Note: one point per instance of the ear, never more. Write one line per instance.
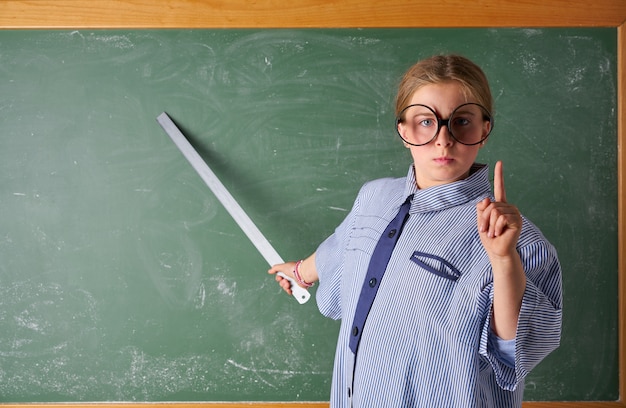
(401, 133)
(487, 128)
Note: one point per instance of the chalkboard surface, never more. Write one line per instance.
(123, 279)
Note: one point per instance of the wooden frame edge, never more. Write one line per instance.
(23, 14)
(621, 205)
(74, 14)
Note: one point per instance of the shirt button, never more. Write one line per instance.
(355, 331)
(373, 282)
(391, 233)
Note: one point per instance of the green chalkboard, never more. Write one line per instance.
(123, 279)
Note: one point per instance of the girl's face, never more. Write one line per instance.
(443, 160)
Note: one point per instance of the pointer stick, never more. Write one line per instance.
(239, 215)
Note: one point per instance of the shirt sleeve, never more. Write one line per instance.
(329, 262)
(329, 270)
(503, 350)
(539, 324)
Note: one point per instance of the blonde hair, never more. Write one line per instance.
(445, 68)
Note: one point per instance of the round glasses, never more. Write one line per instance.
(469, 124)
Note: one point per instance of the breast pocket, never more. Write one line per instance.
(436, 265)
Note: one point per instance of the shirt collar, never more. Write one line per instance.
(448, 195)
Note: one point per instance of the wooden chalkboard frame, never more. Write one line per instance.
(63, 14)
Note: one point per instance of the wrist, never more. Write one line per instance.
(298, 276)
(508, 260)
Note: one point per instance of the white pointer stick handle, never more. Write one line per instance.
(239, 215)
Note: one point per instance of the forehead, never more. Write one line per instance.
(443, 98)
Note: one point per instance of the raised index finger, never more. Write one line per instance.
(498, 183)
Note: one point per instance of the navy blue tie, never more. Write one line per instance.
(375, 271)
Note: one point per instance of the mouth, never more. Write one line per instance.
(443, 160)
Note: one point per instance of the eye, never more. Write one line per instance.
(426, 122)
(462, 121)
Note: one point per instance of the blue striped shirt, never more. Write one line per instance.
(427, 340)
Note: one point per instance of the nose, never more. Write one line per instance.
(443, 137)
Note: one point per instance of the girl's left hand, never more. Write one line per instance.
(499, 223)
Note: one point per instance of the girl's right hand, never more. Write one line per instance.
(286, 268)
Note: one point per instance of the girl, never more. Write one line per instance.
(448, 296)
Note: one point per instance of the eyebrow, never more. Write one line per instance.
(464, 111)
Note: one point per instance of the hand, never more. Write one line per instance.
(286, 268)
(499, 223)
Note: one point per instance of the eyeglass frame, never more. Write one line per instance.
(446, 122)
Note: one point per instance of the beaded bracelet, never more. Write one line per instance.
(299, 279)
